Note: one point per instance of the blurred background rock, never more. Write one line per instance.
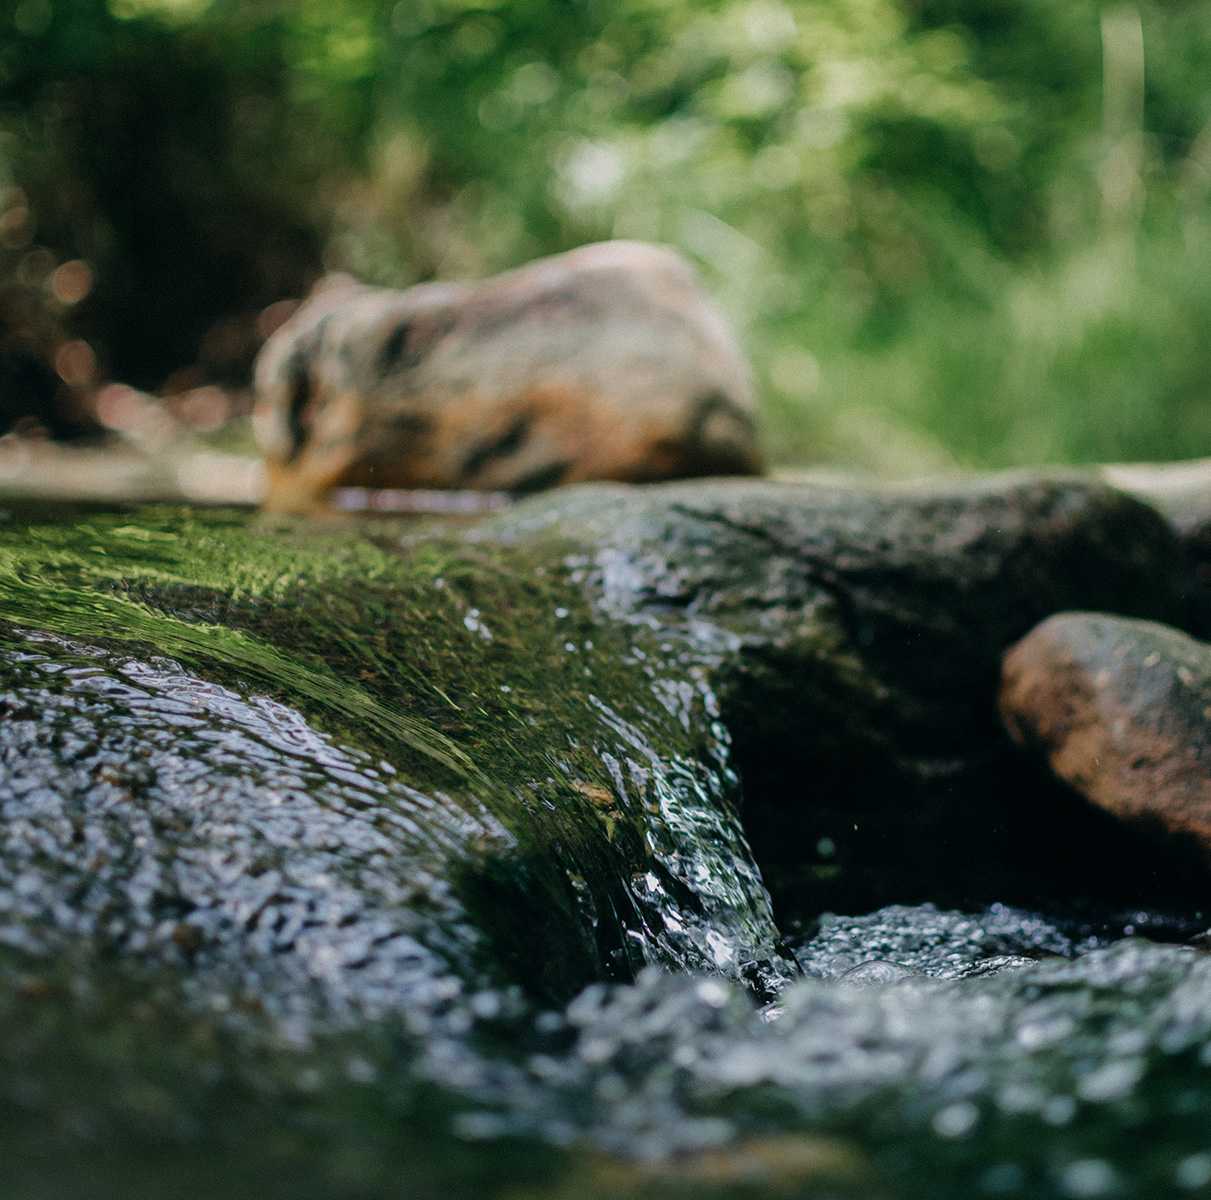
(951, 233)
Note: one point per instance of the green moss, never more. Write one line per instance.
(475, 669)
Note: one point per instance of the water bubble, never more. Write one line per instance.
(594, 1051)
(1111, 1081)
(1059, 1110)
(360, 1071)
(1046, 1031)
(475, 625)
(1003, 1178)
(712, 993)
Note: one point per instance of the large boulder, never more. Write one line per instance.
(606, 362)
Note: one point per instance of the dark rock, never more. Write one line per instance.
(1122, 710)
(854, 639)
(606, 362)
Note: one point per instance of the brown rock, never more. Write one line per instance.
(603, 363)
(1122, 709)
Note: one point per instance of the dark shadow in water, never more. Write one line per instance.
(999, 831)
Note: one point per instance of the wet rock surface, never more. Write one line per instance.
(1122, 711)
(377, 861)
(854, 639)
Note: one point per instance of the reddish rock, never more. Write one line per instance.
(603, 363)
(1122, 709)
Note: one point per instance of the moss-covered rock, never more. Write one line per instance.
(558, 689)
(327, 810)
(853, 639)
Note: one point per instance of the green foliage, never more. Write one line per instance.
(167, 156)
(948, 230)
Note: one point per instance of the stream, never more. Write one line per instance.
(633, 842)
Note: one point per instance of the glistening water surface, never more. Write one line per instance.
(335, 863)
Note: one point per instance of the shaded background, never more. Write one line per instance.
(950, 232)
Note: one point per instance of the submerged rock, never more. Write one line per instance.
(332, 858)
(1122, 710)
